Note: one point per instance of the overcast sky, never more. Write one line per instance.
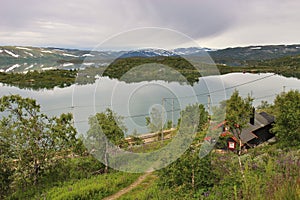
(86, 23)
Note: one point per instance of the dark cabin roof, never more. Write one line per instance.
(260, 120)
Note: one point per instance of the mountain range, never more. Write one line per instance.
(20, 59)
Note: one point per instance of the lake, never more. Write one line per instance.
(134, 101)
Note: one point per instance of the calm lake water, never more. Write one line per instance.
(134, 101)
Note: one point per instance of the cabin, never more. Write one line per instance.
(257, 131)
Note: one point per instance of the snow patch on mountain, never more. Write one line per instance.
(11, 53)
(27, 68)
(28, 53)
(148, 53)
(88, 64)
(12, 67)
(46, 51)
(87, 55)
(48, 68)
(24, 48)
(191, 50)
(67, 64)
(70, 55)
(255, 48)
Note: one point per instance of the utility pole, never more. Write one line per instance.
(208, 104)
(162, 119)
(172, 113)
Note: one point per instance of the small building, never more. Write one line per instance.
(257, 131)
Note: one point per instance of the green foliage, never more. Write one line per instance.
(5, 172)
(108, 123)
(88, 75)
(65, 170)
(178, 65)
(148, 147)
(196, 115)
(32, 142)
(227, 177)
(287, 66)
(287, 109)
(40, 80)
(155, 121)
(268, 174)
(266, 107)
(238, 113)
(106, 129)
(149, 189)
(189, 173)
(96, 187)
(136, 140)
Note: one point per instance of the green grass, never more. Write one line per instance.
(143, 190)
(148, 189)
(149, 147)
(96, 187)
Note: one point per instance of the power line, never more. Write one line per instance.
(182, 97)
(141, 115)
(224, 89)
(134, 116)
(271, 95)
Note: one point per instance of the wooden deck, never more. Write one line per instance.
(152, 137)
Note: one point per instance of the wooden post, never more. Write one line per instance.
(172, 113)
(162, 119)
(208, 104)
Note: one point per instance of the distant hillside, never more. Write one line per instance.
(241, 55)
(20, 59)
(288, 66)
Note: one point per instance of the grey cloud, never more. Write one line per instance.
(196, 18)
(78, 23)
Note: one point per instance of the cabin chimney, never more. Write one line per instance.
(252, 116)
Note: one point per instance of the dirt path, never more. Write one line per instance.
(129, 188)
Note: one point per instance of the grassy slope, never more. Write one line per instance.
(96, 187)
(146, 190)
(270, 173)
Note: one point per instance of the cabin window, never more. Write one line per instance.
(231, 145)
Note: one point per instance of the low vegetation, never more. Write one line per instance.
(287, 66)
(42, 159)
(154, 68)
(96, 187)
(40, 80)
